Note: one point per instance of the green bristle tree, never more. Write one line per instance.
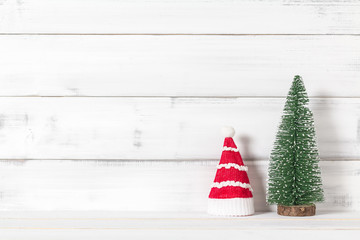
(294, 173)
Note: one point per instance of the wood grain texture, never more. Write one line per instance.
(297, 211)
(180, 186)
(120, 220)
(219, 66)
(180, 16)
(163, 128)
(164, 234)
(62, 225)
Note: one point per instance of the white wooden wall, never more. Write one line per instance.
(117, 105)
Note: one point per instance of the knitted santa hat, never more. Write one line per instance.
(231, 193)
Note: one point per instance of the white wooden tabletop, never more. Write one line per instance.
(166, 225)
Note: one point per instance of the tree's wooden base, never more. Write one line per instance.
(298, 211)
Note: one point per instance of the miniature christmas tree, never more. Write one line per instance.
(294, 173)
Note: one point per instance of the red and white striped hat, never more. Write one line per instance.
(231, 193)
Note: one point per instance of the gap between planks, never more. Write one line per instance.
(185, 219)
(163, 161)
(179, 229)
(170, 96)
(182, 34)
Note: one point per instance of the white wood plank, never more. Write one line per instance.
(97, 216)
(147, 186)
(209, 234)
(116, 220)
(180, 16)
(163, 128)
(172, 225)
(178, 65)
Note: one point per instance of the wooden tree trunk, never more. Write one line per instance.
(299, 210)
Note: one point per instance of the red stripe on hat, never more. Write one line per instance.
(231, 174)
(231, 157)
(230, 192)
(229, 142)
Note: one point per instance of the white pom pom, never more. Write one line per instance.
(228, 131)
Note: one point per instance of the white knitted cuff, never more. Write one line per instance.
(231, 206)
